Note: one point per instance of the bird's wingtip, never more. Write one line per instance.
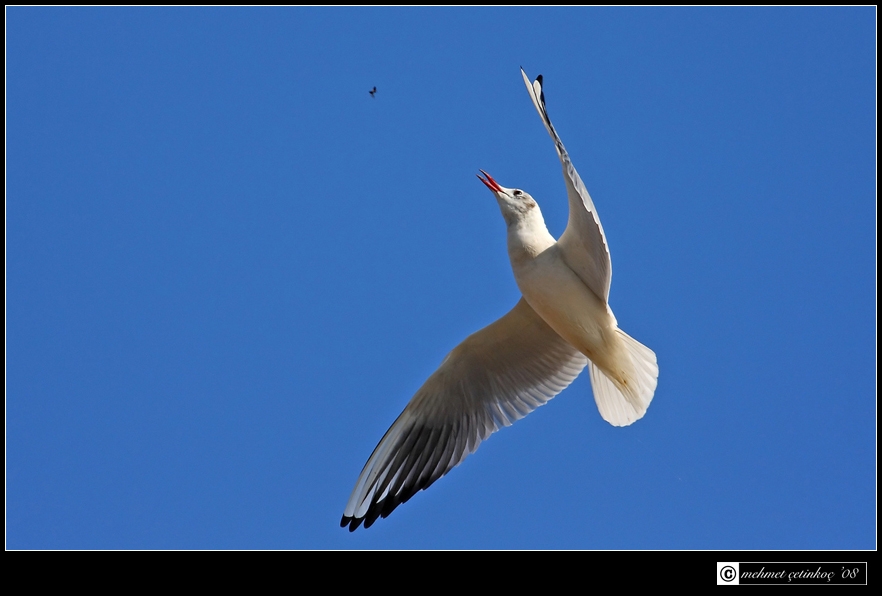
(352, 522)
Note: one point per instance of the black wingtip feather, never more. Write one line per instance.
(541, 92)
(383, 508)
(352, 522)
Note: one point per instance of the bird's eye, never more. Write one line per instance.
(517, 193)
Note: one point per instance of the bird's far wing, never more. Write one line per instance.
(583, 243)
(494, 377)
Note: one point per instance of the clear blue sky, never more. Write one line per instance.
(229, 268)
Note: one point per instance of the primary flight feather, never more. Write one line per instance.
(507, 369)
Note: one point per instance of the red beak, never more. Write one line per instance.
(490, 182)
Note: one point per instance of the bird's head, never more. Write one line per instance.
(514, 203)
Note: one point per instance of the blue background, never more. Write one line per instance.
(229, 268)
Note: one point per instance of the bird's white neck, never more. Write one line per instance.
(528, 236)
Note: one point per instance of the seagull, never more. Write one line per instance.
(373, 91)
(499, 374)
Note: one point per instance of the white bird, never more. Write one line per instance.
(509, 368)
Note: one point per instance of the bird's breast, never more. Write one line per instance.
(563, 301)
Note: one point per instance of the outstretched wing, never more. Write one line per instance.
(583, 243)
(494, 377)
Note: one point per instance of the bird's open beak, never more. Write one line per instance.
(489, 182)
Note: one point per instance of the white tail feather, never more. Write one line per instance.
(616, 407)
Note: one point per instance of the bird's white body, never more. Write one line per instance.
(576, 312)
(557, 294)
(502, 372)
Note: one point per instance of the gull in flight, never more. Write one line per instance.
(509, 368)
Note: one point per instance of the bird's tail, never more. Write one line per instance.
(620, 406)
